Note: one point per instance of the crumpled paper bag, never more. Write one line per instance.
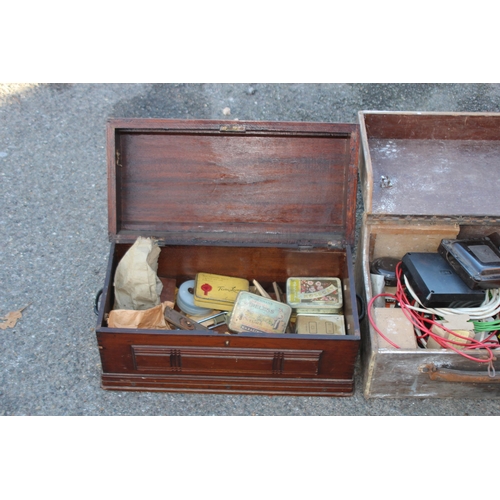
(137, 285)
(150, 318)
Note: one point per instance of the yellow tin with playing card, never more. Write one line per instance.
(215, 291)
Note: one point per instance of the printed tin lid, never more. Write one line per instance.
(314, 294)
(254, 313)
(216, 291)
(320, 324)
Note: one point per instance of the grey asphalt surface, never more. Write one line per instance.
(54, 243)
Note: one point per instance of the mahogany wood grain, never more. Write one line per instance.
(265, 264)
(272, 184)
(229, 385)
(337, 358)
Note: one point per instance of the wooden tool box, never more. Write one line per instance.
(257, 200)
(425, 177)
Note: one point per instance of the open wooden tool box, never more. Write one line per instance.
(254, 200)
(426, 177)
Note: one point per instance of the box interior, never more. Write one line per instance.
(265, 264)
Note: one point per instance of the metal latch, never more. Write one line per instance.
(232, 128)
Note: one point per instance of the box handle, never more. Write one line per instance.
(96, 301)
(459, 376)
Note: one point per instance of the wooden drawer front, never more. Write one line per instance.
(199, 360)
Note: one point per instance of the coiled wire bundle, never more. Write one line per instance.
(484, 318)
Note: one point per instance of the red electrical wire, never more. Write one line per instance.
(446, 343)
(419, 320)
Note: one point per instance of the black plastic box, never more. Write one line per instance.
(436, 284)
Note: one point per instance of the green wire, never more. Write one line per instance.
(486, 326)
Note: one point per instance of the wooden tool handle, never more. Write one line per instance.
(459, 376)
(261, 290)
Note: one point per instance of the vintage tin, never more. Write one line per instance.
(320, 324)
(314, 295)
(254, 313)
(214, 291)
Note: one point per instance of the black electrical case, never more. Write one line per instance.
(436, 284)
(476, 261)
(386, 266)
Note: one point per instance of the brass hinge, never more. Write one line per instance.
(232, 128)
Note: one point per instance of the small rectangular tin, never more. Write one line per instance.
(320, 324)
(314, 295)
(254, 313)
(215, 291)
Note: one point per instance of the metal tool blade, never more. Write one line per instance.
(180, 321)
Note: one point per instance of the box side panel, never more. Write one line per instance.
(369, 344)
(416, 374)
(265, 264)
(395, 240)
(428, 125)
(350, 308)
(229, 385)
(365, 166)
(197, 362)
(311, 356)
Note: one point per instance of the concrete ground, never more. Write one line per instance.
(54, 243)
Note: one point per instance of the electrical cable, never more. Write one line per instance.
(421, 321)
(423, 318)
(489, 307)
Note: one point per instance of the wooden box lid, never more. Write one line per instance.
(430, 164)
(232, 182)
